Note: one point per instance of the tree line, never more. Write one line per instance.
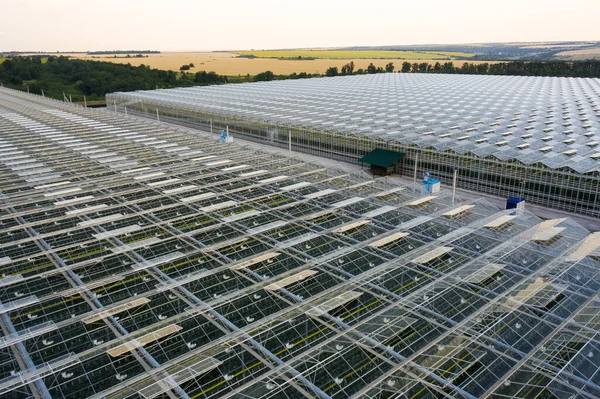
(57, 75)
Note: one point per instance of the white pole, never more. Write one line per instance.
(290, 140)
(211, 125)
(115, 104)
(125, 110)
(157, 117)
(415, 174)
(70, 99)
(27, 89)
(43, 93)
(84, 101)
(454, 186)
(227, 130)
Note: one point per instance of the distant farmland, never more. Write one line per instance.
(356, 54)
(231, 64)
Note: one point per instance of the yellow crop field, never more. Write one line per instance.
(2, 60)
(578, 55)
(231, 65)
(356, 54)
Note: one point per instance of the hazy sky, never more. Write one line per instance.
(51, 25)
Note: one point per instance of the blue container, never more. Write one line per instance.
(515, 202)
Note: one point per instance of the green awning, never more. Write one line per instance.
(381, 157)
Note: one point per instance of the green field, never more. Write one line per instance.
(356, 54)
(2, 60)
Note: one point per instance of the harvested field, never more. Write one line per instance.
(356, 54)
(578, 55)
(228, 64)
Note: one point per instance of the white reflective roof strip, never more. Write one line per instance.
(240, 216)
(62, 183)
(547, 234)
(204, 158)
(134, 170)
(93, 151)
(86, 209)
(545, 230)
(167, 145)
(273, 179)
(176, 149)
(296, 186)
(232, 168)
(100, 220)
(198, 197)
(253, 173)
(351, 226)
(587, 246)
(388, 192)
(422, 200)
(500, 221)
(5, 260)
(220, 205)
(156, 261)
(482, 274)
(149, 176)
(431, 255)
(388, 239)
(112, 160)
(334, 303)
(267, 226)
(143, 340)
(180, 189)
(73, 200)
(102, 155)
(115, 310)
(379, 211)
(320, 193)
(163, 182)
(346, 202)
(190, 153)
(458, 210)
(137, 244)
(290, 280)
(216, 163)
(62, 192)
(255, 260)
(117, 232)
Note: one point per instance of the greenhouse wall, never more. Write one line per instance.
(561, 189)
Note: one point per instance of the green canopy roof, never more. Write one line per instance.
(381, 157)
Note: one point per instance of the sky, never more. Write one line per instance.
(206, 25)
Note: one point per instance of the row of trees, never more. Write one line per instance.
(55, 75)
(348, 69)
(94, 79)
(553, 68)
(590, 69)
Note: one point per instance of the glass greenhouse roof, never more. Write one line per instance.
(157, 271)
(502, 116)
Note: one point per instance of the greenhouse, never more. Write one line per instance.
(505, 135)
(142, 261)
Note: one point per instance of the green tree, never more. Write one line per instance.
(371, 68)
(389, 67)
(331, 71)
(192, 65)
(264, 76)
(405, 67)
(184, 68)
